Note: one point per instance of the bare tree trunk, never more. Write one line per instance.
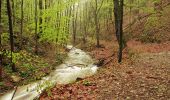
(0, 11)
(36, 28)
(22, 18)
(0, 41)
(85, 23)
(118, 11)
(121, 31)
(96, 23)
(11, 33)
(75, 15)
(40, 18)
(116, 8)
(13, 12)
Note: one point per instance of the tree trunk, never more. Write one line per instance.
(75, 15)
(118, 12)
(121, 31)
(116, 8)
(22, 18)
(11, 33)
(85, 23)
(96, 23)
(0, 11)
(0, 42)
(13, 12)
(40, 18)
(36, 28)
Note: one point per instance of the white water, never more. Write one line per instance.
(77, 65)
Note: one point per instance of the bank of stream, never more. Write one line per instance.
(78, 64)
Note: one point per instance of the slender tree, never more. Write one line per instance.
(0, 11)
(40, 17)
(96, 23)
(118, 12)
(36, 28)
(13, 11)
(75, 15)
(11, 33)
(0, 42)
(22, 18)
(85, 23)
(96, 20)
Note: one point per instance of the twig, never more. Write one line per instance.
(14, 93)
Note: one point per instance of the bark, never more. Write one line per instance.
(121, 32)
(40, 18)
(36, 28)
(116, 6)
(0, 11)
(11, 33)
(97, 23)
(85, 23)
(22, 18)
(0, 43)
(13, 12)
(75, 15)
(118, 12)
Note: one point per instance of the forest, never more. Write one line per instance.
(84, 49)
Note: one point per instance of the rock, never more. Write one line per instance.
(15, 78)
(68, 47)
(100, 62)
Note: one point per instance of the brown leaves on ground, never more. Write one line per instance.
(80, 90)
(147, 77)
(137, 46)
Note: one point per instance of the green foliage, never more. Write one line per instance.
(1, 83)
(152, 22)
(15, 56)
(5, 38)
(87, 83)
(24, 74)
(55, 29)
(47, 85)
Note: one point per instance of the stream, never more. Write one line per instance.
(78, 64)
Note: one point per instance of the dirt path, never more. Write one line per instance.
(144, 76)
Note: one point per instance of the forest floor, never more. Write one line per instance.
(143, 75)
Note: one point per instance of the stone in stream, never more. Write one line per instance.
(68, 47)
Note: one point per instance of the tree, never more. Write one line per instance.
(118, 12)
(0, 42)
(36, 28)
(13, 12)
(85, 22)
(11, 33)
(96, 19)
(22, 18)
(40, 18)
(75, 15)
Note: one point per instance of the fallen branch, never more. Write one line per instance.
(102, 60)
(14, 93)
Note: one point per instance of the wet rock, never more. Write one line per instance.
(68, 47)
(99, 62)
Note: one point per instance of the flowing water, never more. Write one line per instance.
(77, 65)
